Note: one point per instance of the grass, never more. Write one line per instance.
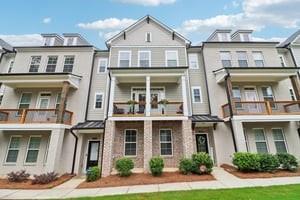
(287, 192)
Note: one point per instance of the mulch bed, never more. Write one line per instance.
(5, 184)
(144, 179)
(244, 175)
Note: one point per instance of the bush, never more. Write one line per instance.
(156, 166)
(202, 163)
(18, 176)
(246, 161)
(185, 166)
(287, 161)
(45, 178)
(124, 166)
(93, 174)
(268, 162)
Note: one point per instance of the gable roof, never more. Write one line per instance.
(148, 17)
(290, 39)
(5, 46)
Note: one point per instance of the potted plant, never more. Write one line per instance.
(131, 104)
(164, 103)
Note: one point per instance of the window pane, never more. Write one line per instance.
(51, 65)
(259, 135)
(258, 59)
(130, 149)
(171, 58)
(225, 55)
(14, 143)
(197, 95)
(26, 98)
(193, 61)
(130, 136)
(68, 65)
(34, 143)
(35, 63)
(99, 100)
(280, 147)
(144, 59)
(12, 156)
(261, 147)
(32, 156)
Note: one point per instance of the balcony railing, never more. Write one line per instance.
(262, 108)
(123, 109)
(22, 116)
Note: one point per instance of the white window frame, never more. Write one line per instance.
(136, 142)
(166, 142)
(46, 151)
(27, 149)
(262, 55)
(106, 63)
(238, 58)
(281, 57)
(193, 94)
(266, 140)
(8, 148)
(144, 51)
(284, 139)
(197, 60)
(230, 59)
(146, 36)
(56, 99)
(120, 60)
(39, 66)
(48, 57)
(39, 98)
(21, 99)
(95, 99)
(64, 63)
(166, 57)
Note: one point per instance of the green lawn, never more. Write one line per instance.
(288, 192)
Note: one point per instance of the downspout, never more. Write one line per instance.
(231, 112)
(75, 150)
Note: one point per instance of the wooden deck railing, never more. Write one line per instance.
(262, 108)
(139, 109)
(33, 116)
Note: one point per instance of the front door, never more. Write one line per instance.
(43, 103)
(142, 102)
(202, 143)
(93, 154)
(251, 95)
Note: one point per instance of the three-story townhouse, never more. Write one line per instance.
(253, 92)
(45, 95)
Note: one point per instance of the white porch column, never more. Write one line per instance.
(239, 136)
(148, 97)
(184, 96)
(111, 97)
(55, 150)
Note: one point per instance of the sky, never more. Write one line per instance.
(22, 21)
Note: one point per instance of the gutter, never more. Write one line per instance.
(75, 150)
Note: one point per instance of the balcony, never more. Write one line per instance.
(138, 109)
(22, 116)
(262, 108)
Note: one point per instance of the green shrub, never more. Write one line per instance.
(246, 161)
(287, 161)
(268, 162)
(185, 166)
(93, 174)
(156, 166)
(124, 166)
(202, 163)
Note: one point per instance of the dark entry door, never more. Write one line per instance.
(202, 143)
(93, 154)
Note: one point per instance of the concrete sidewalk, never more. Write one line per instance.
(67, 190)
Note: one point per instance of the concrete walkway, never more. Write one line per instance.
(67, 190)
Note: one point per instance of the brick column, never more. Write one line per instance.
(62, 103)
(54, 150)
(296, 86)
(187, 138)
(107, 162)
(147, 144)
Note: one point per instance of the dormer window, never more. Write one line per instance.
(70, 41)
(223, 37)
(148, 37)
(49, 41)
(245, 37)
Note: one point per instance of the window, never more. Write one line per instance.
(165, 136)
(242, 58)
(171, 58)
(1, 98)
(130, 146)
(68, 64)
(225, 58)
(268, 95)
(49, 41)
(292, 94)
(282, 61)
(124, 58)
(10, 66)
(148, 37)
(25, 101)
(51, 65)
(13, 149)
(260, 141)
(197, 97)
(258, 59)
(98, 100)
(69, 41)
(33, 149)
(144, 58)
(58, 98)
(102, 65)
(279, 140)
(223, 36)
(237, 97)
(245, 37)
(193, 61)
(35, 63)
